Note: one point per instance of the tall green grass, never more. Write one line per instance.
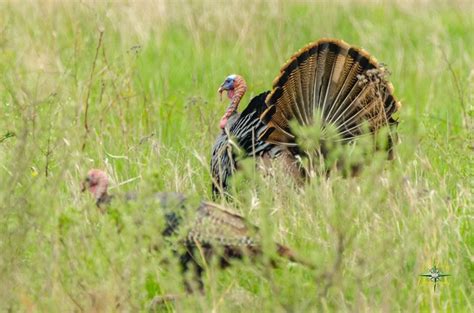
(148, 73)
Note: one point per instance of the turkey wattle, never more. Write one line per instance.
(342, 84)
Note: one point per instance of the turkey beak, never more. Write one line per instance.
(220, 91)
(84, 184)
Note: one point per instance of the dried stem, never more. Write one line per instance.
(86, 103)
(459, 88)
(47, 155)
(329, 276)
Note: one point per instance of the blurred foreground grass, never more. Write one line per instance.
(148, 72)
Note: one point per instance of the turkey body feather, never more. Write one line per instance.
(242, 132)
(208, 231)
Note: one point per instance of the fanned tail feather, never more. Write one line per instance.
(346, 85)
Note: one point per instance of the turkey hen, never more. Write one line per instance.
(343, 85)
(209, 229)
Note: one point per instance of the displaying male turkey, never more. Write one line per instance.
(343, 85)
(210, 230)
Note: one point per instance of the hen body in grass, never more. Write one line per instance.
(328, 84)
(207, 231)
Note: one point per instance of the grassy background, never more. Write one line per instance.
(148, 73)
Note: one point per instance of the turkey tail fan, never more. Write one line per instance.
(344, 84)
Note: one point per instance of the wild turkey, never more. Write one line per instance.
(210, 229)
(343, 84)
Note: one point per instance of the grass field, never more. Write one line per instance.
(147, 74)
